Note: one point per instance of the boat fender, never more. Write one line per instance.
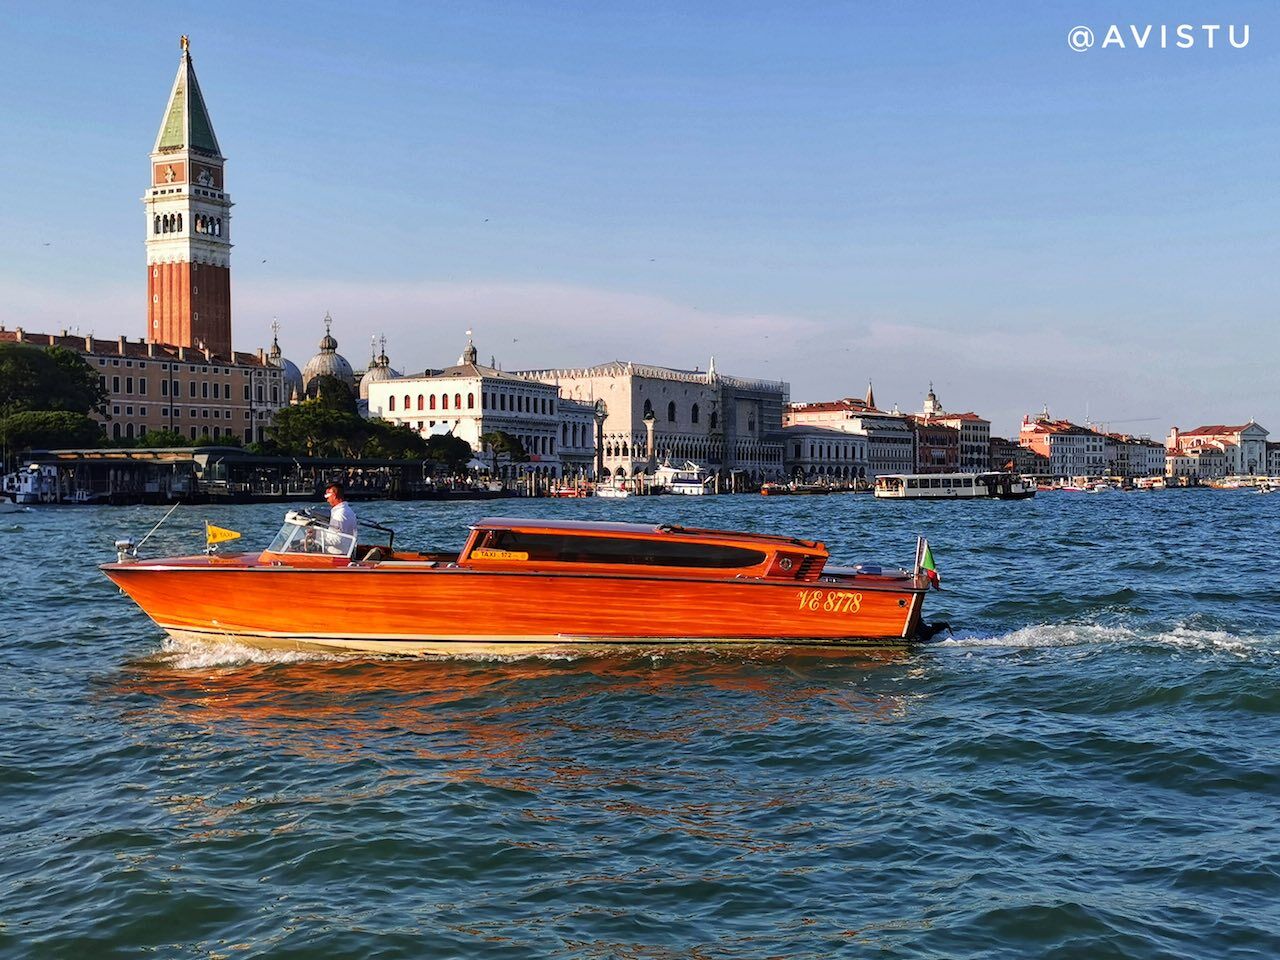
(929, 631)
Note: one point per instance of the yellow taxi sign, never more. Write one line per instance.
(486, 553)
(214, 534)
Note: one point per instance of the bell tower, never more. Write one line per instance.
(188, 226)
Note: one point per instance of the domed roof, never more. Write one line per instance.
(328, 362)
(379, 369)
(292, 375)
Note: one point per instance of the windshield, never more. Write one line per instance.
(303, 534)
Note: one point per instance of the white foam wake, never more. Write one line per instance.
(1088, 634)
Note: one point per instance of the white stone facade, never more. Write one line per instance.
(721, 423)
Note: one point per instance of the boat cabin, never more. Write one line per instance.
(671, 550)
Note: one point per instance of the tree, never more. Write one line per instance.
(333, 393)
(505, 448)
(313, 429)
(36, 378)
(395, 442)
(163, 438)
(49, 430)
(453, 452)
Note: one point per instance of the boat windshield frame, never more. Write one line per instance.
(305, 534)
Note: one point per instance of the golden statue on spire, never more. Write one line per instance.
(185, 42)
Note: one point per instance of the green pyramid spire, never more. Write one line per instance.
(186, 123)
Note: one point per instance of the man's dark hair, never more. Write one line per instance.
(335, 485)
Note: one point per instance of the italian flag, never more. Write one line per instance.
(925, 564)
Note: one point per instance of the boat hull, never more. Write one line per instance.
(457, 611)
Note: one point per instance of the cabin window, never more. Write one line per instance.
(571, 548)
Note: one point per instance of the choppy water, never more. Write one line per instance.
(1089, 768)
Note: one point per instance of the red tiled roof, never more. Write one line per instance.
(1214, 430)
(124, 347)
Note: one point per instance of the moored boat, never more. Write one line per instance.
(525, 587)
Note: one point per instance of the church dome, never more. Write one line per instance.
(379, 369)
(292, 375)
(327, 363)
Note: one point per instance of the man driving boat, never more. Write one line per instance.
(342, 518)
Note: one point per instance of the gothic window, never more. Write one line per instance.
(457, 401)
(626, 451)
(693, 413)
(444, 401)
(751, 423)
(671, 412)
(157, 223)
(431, 401)
(713, 420)
(115, 431)
(648, 409)
(179, 223)
(406, 403)
(391, 402)
(419, 401)
(471, 401)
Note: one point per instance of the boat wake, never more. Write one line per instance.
(191, 655)
(1181, 636)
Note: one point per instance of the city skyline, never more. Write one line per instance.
(824, 196)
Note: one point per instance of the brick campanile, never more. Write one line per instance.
(188, 226)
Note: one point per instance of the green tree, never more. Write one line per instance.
(395, 442)
(313, 429)
(163, 438)
(504, 447)
(49, 430)
(53, 378)
(452, 452)
(333, 393)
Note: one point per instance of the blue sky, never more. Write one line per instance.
(822, 193)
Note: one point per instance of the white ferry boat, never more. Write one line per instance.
(953, 486)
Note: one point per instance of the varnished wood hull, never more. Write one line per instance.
(394, 610)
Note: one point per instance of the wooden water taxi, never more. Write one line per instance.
(527, 587)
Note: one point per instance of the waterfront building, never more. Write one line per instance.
(830, 453)
(890, 438)
(1273, 459)
(1129, 456)
(577, 445)
(469, 400)
(1196, 463)
(1007, 455)
(968, 451)
(1071, 450)
(152, 386)
(1244, 447)
(937, 446)
(651, 414)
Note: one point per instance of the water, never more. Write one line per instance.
(1088, 768)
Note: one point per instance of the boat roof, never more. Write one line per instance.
(632, 529)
